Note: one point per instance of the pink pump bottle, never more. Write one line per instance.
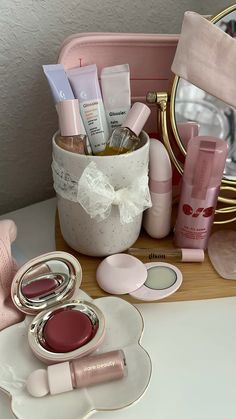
(203, 171)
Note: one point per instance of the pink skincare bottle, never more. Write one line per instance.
(157, 219)
(82, 372)
(203, 171)
(70, 137)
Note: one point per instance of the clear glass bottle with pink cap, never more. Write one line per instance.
(126, 137)
(70, 137)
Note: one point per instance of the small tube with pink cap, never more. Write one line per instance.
(82, 372)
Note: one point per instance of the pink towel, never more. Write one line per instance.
(8, 267)
(206, 57)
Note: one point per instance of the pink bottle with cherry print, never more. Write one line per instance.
(203, 171)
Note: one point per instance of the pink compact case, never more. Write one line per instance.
(150, 64)
(64, 328)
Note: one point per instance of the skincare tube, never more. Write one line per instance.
(60, 86)
(79, 373)
(58, 82)
(115, 83)
(176, 255)
(85, 85)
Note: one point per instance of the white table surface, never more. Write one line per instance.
(192, 344)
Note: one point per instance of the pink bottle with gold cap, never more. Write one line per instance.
(70, 137)
(203, 171)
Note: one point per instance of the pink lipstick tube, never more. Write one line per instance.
(83, 372)
(203, 171)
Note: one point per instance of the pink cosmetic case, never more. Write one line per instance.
(149, 56)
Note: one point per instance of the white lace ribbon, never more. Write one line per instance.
(94, 192)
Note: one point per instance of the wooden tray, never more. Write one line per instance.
(200, 280)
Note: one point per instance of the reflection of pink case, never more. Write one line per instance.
(187, 130)
(149, 55)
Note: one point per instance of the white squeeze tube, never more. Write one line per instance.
(115, 83)
(85, 85)
(60, 87)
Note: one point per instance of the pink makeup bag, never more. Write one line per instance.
(149, 56)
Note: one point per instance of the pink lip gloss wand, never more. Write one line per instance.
(203, 171)
(175, 255)
(82, 372)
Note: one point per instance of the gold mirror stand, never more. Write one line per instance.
(161, 99)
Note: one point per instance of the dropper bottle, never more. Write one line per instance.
(70, 137)
(78, 373)
(126, 138)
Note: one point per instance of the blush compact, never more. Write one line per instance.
(64, 327)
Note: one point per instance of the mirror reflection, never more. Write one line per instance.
(45, 279)
(199, 113)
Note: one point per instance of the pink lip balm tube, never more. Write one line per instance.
(203, 171)
(82, 372)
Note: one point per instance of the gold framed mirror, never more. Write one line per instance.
(190, 111)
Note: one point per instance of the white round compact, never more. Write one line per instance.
(123, 273)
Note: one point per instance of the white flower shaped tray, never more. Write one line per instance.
(124, 327)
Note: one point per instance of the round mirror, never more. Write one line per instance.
(195, 112)
(45, 282)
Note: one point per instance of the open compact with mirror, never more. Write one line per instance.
(188, 111)
(64, 327)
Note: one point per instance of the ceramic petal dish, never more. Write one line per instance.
(124, 326)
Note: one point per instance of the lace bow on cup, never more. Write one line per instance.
(94, 192)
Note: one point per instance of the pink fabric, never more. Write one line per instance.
(8, 267)
(206, 57)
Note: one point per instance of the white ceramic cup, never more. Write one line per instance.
(109, 236)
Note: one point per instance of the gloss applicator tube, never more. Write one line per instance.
(176, 255)
(79, 373)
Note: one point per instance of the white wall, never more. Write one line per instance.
(31, 34)
(214, 6)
